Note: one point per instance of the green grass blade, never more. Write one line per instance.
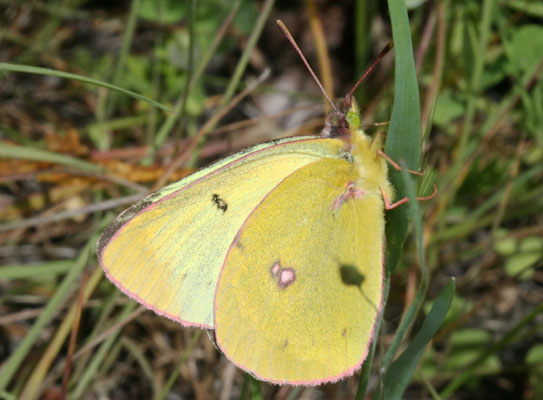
(135, 351)
(7, 396)
(18, 356)
(244, 60)
(533, 8)
(92, 370)
(124, 52)
(35, 382)
(255, 389)
(238, 72)
(368, 362)
(404, 133)
(465, 375)
(30, 153)
(251, 389)
(479, 49)
(178, 110)
(413, 308)
(400, 372)
(364, 11)
(38, 271)
(465, 227)
(85, 79)
(403, 139)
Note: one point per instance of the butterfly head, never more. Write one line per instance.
(341, 121)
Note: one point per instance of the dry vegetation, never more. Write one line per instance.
(74, 154)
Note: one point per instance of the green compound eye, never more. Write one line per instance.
(353, 119)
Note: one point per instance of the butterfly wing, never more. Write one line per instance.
(166, 251)
(300, 291)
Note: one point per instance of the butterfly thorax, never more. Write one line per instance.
(371, 166)
(344, 123)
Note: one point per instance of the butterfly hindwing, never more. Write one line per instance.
(300, 289)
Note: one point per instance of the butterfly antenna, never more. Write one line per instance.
(383, 53)
(293, 43)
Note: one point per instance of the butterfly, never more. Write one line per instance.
(279, 249)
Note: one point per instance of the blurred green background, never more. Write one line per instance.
(74, 153)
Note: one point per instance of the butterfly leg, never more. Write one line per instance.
(389, 206)
(396, 165)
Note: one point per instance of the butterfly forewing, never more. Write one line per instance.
(166, 251)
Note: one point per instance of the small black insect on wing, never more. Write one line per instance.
(219, 203)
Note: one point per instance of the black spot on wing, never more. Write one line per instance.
(220, 203)
(350, 275)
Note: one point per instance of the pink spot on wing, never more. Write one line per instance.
(284, 277)
(287, 277)
(352, 192)
(275, 269)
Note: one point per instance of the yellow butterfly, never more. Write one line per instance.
(278, 248)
